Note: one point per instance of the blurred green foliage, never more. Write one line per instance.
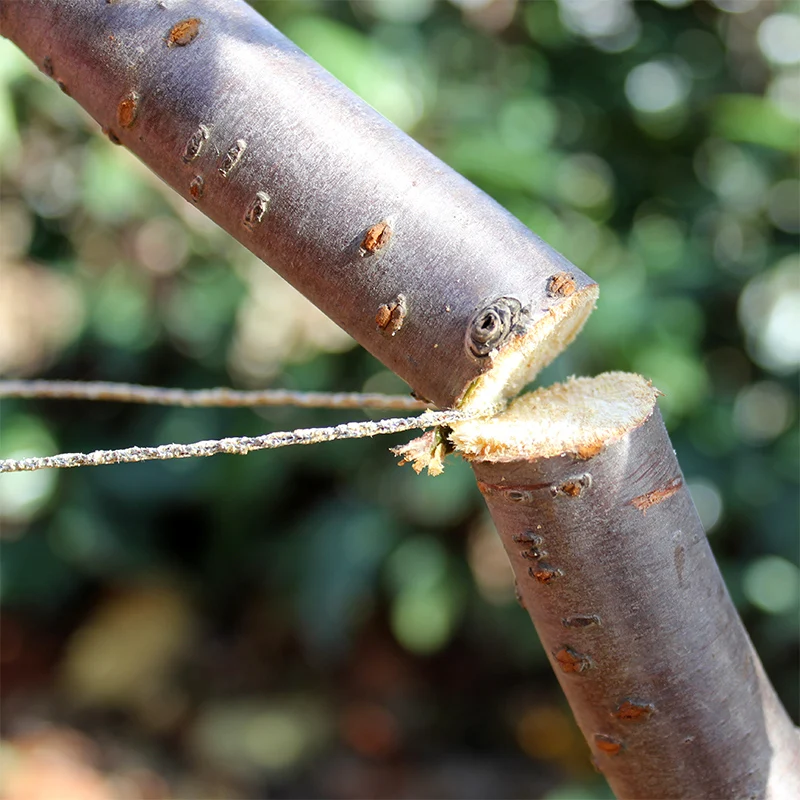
(316, 622)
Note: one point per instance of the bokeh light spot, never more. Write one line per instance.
(423, 618)
(489, 564)
(772, 584)
(660, 239)
(784, 93)
(735, 6)
(769, 308)
(708, 502)
(779, 38)
(427, 601)
(545, 732)
(528, 124)
(762, 411)
(161, 245)
(610, 25)
(24, 494)
(783, 205)
(585, 181)
(656, 86)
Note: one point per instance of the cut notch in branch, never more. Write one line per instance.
(521, 359)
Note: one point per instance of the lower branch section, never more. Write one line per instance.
(614, 568)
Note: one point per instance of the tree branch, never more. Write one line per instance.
(201, 398)
(412, 260)
(615, 570)
(237, 445)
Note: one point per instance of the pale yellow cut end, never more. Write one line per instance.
(518, 363)
(580, 416)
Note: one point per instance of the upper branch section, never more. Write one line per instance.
(424, 270)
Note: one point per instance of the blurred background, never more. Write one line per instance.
(315, 622)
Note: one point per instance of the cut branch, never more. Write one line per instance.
(201, 398)
(630, 606)
(412, 260)
(237, 445)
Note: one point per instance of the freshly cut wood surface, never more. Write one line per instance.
(579, 416)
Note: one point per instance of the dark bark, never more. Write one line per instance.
(418, 265)
(615, 570)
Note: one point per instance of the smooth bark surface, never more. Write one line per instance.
(615, 570)
(418, 265)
